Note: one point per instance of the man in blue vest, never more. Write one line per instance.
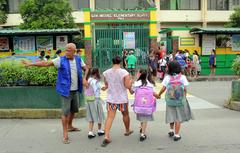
(69, 83)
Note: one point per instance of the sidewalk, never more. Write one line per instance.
(215, 78)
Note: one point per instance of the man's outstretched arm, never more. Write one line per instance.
(38, 64)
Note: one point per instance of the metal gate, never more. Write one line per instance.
(108, 42)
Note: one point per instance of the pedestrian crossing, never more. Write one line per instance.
(194, 102)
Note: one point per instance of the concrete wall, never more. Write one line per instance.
(218, 16)
(179, 16)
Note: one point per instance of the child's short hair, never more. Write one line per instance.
(174, 68)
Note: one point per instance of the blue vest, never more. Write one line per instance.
(64, 76)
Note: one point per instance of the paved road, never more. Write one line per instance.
(215, 130)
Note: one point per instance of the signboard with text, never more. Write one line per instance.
(44, 42)
(23, 45)
(142, 16)
(208, 43)
(129, 40)
(187, 41)
(235, 42)
(4, 44)
(61, 42)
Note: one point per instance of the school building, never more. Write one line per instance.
(110, 26)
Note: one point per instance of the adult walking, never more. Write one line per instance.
(117, 82)
(196, 64)
(131, 62)
(212, 62)
(181, 59)
(152, 64)
(69, 83)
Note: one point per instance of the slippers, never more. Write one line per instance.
(128, 133)
(73, 129)
(66, 141)
(105, 142)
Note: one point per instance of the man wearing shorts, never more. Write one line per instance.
(69, 83)
(117, 81)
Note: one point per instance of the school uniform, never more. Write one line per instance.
(94, 107)
(178, 113)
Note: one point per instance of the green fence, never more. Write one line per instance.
(224, 64)
(108, 42)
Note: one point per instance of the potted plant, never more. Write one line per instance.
(234, 101)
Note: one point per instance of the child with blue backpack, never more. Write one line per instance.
(144, 103)
(177, 106)
(94, 108)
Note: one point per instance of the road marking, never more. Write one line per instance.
(194, 102)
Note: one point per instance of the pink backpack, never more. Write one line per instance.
(144, 103)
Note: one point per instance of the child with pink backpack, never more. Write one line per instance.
(177, 106)
(94, 108)
(145, 102)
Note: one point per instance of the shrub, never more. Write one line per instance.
(236, 66)
(13, 73)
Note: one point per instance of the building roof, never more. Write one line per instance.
(7, 32)
(215, 31)
(166, 30)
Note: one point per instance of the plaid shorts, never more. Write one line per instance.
(121, 107)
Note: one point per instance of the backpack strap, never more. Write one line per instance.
(177, 79)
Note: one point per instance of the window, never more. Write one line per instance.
(165, 5)
(180, 4)
(124, 4)
(218, 4)
(79, 4)
(235, 2)
(13, 5)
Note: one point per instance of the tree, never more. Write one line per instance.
(46, 14)
(234, 19)
(3, 16)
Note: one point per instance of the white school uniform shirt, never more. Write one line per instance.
(96, 85)
(183, 80)
(138, 84)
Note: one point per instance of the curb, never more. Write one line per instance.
(36, 113)
(216, 78)
(233, 105)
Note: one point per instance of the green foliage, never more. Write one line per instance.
(46, 14)
(13, 73)
(236, 66)
(3, 16)
(234, 19)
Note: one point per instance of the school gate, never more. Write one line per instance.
(108, 32)
(109, 42)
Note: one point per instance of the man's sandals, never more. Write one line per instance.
(66, 141)
(73, 129)
(105, 142)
